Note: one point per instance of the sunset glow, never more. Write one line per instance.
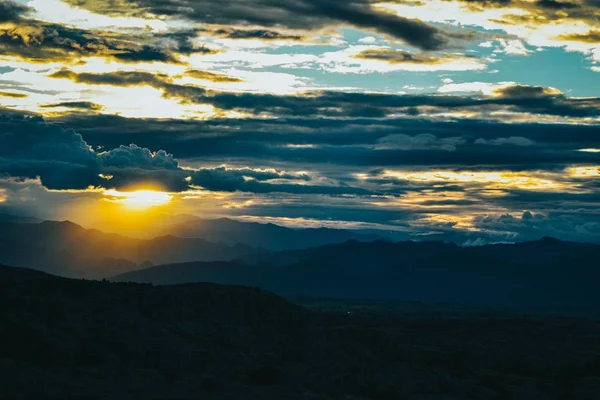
(140, 199)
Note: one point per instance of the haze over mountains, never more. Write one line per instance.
(268, 236)
(67, 249)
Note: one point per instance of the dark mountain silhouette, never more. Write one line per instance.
(268, 236)
(67, 249)
(546, 273)
(63, 338)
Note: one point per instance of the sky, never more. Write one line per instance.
(468, 120)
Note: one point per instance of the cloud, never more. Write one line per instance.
(533, 226)
(514, 99)
(30, 148)
(133, 156)
(79, 105)
(393, 56)
(592, 37)
(118, 78)
(484, 88)
(255, 34)
(212, 76)
(230, 180)
(11, 11)
(502, 97)
(556, 5)
(46, 42)
(162, 82)
(522, 23)
(308, 143)
(513, 140)
(423, 141)
(526, 92)
(13, 95)
(300, 15)
(513, 47)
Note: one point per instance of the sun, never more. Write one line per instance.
(140, 199)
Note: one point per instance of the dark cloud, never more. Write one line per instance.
(506, 141)
(293, 14)
(133, 156)
(394, 56)
(46, 42)
(11, 11)
(245, 180)
(183, 93)
(526, 92)
(180, 41)
(589, 37)
(339, 104)
(423, 141)
(212, 76)
(40, 41)
(32, 148)
(260, 34)
(13, 95)
(556, 5)
(79, 105)
(352, 143)
(119, 78)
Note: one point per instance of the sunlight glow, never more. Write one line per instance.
(491, 179)
(584, 172)
(140, 199)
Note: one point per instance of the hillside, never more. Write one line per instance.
(62, 338)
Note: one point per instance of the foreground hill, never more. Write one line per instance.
(67, 249)
(62, 338)
(546, 273)
(268, 236)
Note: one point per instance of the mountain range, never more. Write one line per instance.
(67, 249)
(264, 235)
(545, 273)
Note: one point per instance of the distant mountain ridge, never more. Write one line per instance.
(265, 235)
(545, 273)
(67, 249)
